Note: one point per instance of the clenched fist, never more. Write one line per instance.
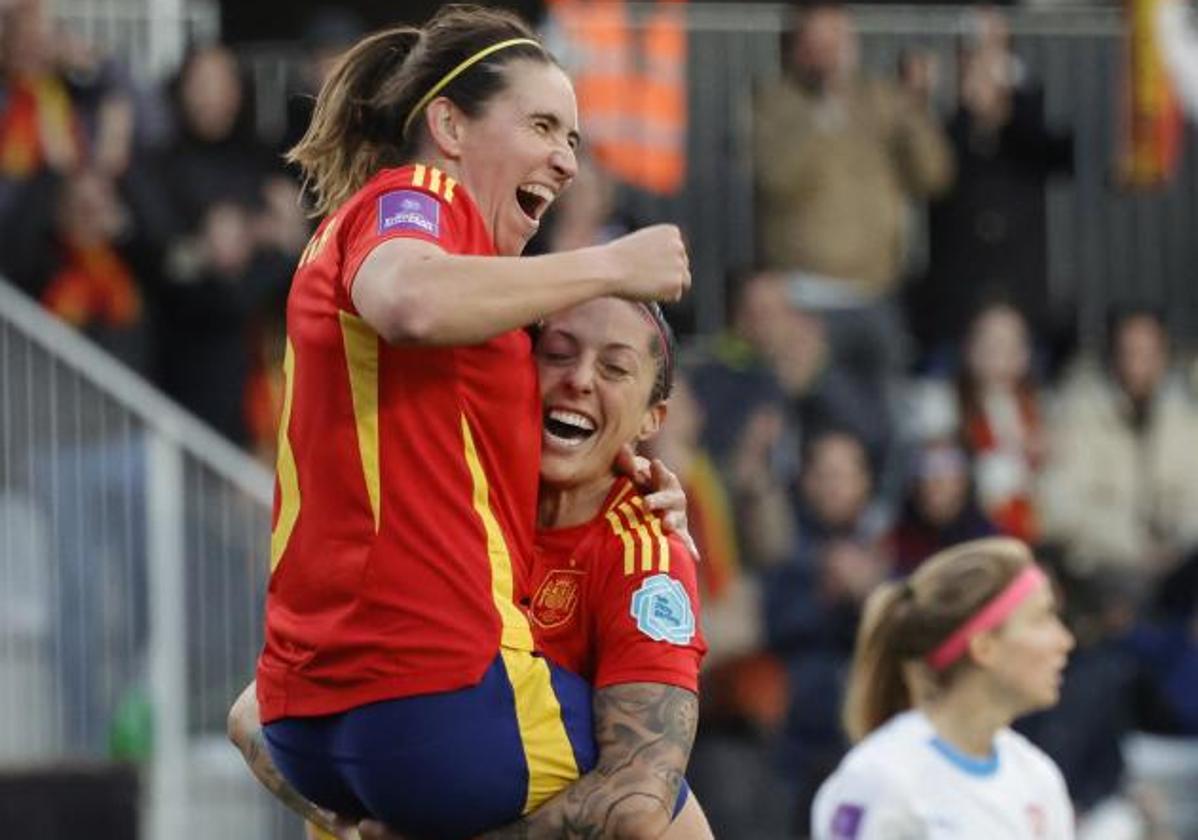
(650, 264)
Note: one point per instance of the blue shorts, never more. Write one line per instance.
(448, 765)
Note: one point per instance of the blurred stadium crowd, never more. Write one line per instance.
(855, 415)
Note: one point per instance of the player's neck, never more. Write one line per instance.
(563, 507)
(966, 722)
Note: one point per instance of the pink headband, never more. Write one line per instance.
(647, 311)
(992, 614)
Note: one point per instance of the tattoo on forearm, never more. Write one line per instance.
(257, 756)
(644, 732)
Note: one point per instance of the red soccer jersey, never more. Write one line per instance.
(407, 477)
(616, 600)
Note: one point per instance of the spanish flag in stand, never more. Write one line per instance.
(1151, 143)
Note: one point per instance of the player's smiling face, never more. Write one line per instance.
(519, 154)
(597, 371)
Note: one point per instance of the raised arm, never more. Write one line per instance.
(644, 733)
(411, 291)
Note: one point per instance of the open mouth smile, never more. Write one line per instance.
(568, 428)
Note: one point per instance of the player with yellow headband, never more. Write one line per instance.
(398, 677)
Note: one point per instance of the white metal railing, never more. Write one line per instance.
(133, 557)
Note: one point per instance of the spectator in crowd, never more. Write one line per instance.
(62, 108)
(1120, 489)
(70, 240)
(940, 509)
(813, 602)
(39, 127)
(82, 254)
(837, 159)
(102, 96)
(776, 360)
(989, 233)
(231, 227)
(743, 687)
(1000, 419)
(837, 156)
(735, 374)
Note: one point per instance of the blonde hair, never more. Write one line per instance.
(904, 621)
(357, 125)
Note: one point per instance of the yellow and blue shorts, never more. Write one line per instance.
(447, 765)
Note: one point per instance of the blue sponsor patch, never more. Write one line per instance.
(846, 822)
(662, 610)
(409, 210)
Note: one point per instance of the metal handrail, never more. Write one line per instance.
(135, 394)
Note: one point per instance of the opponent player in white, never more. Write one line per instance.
(944, 662)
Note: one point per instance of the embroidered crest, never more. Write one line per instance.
(409, 210)
(846, 822)
(662, 610)
(556, 598)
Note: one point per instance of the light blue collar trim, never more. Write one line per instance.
(981, 767)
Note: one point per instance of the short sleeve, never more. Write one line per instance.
(1058, 804)
(647, 610)
(861, 803)
(393, 207)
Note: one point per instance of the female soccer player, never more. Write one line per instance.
(945, 661)
(615, 599)
(396, 657)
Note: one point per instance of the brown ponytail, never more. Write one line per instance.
(877, 690)
(904, 621)
(344, 144)
(357, 125)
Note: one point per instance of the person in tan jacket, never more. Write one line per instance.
(838, 156)
(1120, 489)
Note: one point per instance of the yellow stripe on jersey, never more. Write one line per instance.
(418, 175)
(434, 180)
(362, 361)
(450, 183)
(638, 526)
(624, 491)
(620, 531)
(547, 749)
(515, 630)
(654, 522)
(288, 473)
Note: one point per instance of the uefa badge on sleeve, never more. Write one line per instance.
(662, 611)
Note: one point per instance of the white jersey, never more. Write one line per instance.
(903, 783)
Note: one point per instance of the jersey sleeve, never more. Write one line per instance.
(395, 207)
(862, 803)
(647, 610)
(1058, 804)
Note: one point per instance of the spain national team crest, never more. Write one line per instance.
(662, 610)
(556, 598)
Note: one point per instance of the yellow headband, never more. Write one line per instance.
(459, 70)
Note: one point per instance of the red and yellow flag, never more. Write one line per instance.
(1151, 143)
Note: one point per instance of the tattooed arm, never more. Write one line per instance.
(245, 731)
(644, 732)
